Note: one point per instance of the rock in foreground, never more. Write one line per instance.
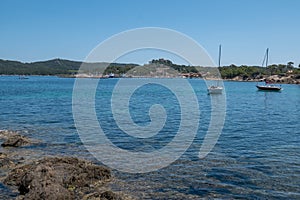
(4, 160)
(61, 178)
(13, 139)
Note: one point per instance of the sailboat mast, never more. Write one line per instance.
(267, 57)
(220, 49)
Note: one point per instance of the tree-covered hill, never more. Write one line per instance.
(50, 67)
(68, 67)
(254, 72)
(57, 67)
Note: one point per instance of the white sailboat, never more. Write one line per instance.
(216, 89)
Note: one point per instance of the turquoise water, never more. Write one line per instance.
(257, 154)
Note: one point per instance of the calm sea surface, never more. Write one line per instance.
(257, 155)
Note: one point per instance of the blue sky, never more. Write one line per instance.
(35, 30)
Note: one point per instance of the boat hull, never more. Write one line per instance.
(215, 90)
(268, 87)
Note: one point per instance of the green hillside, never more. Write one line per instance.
(68, 67)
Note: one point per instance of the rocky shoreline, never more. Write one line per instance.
(53, 177)
(276, 79)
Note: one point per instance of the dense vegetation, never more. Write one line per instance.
(67, 67)
(58, 67)
(51, 67)
(246, 72)
(180, 68)
(232, 71)
(120, 69)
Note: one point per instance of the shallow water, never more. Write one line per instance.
(256, 156)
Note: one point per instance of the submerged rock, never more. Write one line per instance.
(58, 178)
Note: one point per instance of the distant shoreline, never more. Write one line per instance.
(275, 79)
(156, 68)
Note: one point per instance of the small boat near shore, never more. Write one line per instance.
(23, 77)
(268, 86)
(216, 89)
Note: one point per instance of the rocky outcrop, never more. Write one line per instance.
(5, 161)
(61, 178)
(13, 139)
(287, 79)
(107, 195)
(50, 177)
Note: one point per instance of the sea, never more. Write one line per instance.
(253, 136)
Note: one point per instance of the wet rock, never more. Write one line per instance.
(4, 134)
(4, 160)
(40, 183)
(3, 156)
(15, 141)
(107, 195)
(57, 178)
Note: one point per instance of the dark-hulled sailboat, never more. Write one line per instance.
(268, 86)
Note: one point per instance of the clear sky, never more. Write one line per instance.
(32, 30)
